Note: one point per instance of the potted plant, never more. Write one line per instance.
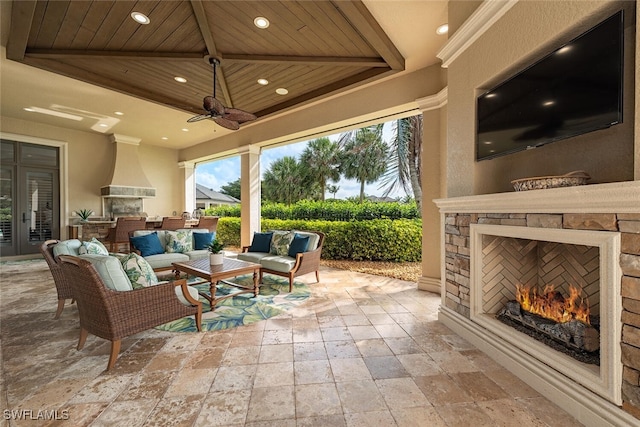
(215, 248)
(84, 214)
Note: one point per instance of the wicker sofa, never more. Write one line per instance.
(163, 256)
(283, 255)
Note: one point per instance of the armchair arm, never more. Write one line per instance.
(185, 292)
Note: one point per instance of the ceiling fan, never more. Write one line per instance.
(229, 118)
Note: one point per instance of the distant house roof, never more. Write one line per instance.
(381, 199)
(203, 192)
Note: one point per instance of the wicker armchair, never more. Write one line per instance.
(120, 233)
(208, 222)
(172, 223)
(114, 315)
(63, 288)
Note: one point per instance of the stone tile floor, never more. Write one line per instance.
(363, 351)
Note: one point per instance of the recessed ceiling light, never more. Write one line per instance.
(261, 22)
(103, 125)
(442, 29)
(263, 82)
(548, 103)
(180, 79)
(282, 91)
(564, 49)
(164, 138)
(118, 113)
(490, 95)
(140, 18)
(487, 142)
(185, 130)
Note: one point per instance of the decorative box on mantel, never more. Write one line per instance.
(589, 235)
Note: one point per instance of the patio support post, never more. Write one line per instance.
(188, 175)
(249, 193)
(434, 137)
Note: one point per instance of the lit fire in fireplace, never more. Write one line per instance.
(552, 305)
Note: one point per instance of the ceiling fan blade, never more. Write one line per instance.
(238, 115)
(212, 105)
(225, 123)
(198, 118)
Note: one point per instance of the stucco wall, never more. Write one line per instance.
(525, 33)
(89, 163)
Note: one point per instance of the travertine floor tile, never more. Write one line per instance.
(362, 351)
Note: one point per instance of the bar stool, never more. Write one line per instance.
(120, 233)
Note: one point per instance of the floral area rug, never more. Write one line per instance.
(243, 309)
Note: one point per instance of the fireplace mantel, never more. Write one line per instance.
(621, 197)
(613, 208)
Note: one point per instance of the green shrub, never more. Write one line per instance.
(330, 210)
(376, 240)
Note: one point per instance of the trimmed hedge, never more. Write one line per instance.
(329, 210)
(374, 240)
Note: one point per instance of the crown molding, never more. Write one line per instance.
(475, 26)
(433, 102)
(116, 137)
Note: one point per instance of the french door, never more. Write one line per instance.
(29, 197)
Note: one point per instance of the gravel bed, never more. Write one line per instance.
(409, 271)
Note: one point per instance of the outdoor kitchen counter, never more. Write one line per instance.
(99, 229)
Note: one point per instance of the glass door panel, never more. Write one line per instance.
(7, 217)
(37, 222)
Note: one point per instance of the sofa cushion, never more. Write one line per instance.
(199, 254)
(280, 242)
(165, 260)
(261, 242)
(94, 247)
(283, 264)
(148, 244)
(201, 240)
(179, 241)
(110, 271)
(314, 239)
(138, 270)
(298, 244)
(192, 291)
(162, 235)
(67, 247)
(253, 256)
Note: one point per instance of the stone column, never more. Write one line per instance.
(433, 142)
(189, 177)
(249, 193)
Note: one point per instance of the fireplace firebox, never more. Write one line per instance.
(507, 260)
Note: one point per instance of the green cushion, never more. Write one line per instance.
(283, 264)
(192, 291)
(138, 270)
(253, 256)
(110, 271)
(280, 242)
(67, 247)
(165, 260)
(179, 241)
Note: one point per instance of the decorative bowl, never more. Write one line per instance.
(543, 182)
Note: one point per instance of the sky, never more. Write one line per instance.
(217, 173)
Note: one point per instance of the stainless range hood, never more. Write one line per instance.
(127, 178)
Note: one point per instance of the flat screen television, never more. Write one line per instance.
(573, 90)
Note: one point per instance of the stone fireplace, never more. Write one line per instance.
(587, 236)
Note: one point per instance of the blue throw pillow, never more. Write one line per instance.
(298, 244)
(261, 242)
(201, 240)
(149, 244)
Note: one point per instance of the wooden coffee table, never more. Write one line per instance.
(218, 273)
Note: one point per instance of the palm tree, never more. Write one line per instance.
(333, 189)
(321, 157)
(286, 181)
(404, 169)
(364, 155)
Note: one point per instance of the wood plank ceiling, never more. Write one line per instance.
(311, 48)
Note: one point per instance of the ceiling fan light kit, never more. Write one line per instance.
(229, 118)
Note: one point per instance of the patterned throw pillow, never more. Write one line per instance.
(94, 247)
(179, 241)
(138, 270)
(280, 242)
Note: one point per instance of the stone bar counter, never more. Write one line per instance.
(100, 228)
